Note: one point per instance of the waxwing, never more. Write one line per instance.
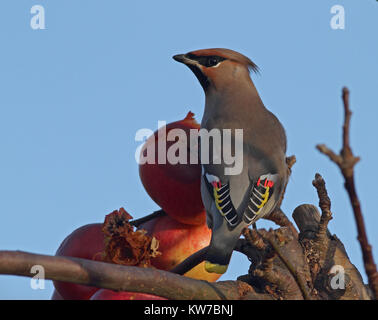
(235, 199)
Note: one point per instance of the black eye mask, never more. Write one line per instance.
(206, 61)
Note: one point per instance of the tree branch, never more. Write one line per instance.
(346, 162)
(286, 284)
(124, 278)
(290, 265)
(331, 253)
(325, 206)
(280, 218)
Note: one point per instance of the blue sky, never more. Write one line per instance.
(72, 97)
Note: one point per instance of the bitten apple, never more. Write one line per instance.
(177, 241)
(174, 187)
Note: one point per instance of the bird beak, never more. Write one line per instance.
(182, 58)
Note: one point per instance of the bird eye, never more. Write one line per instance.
(212, 61)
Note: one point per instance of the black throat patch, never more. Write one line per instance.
(203, 80)
(206, 61)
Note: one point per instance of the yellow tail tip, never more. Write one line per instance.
(215, 268)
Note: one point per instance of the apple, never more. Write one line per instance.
(105, 294)
(56, 296)
(86, 242)
(174, 187)
(177, 241)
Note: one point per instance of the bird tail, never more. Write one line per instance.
(220, 250)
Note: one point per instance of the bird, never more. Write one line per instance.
(235, 201)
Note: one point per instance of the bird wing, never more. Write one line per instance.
(253, 192)
(238, 198)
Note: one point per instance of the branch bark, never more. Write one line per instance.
(122, 278)
(346, 162)
(325, 205)
(323, 259)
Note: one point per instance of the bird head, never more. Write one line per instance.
(217, 68)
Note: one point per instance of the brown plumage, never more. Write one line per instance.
(230, 55)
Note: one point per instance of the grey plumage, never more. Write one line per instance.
(232, 102)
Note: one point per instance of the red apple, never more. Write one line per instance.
(105, 294)
(174, 187)
(56, 296)
(86, 242)
(177, 241)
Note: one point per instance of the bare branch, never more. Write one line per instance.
(346, 162)
(286, 285)
(325, 206)
(280, 218)
(124, 278)
(298, 276)
(330, 154)
(290, 161)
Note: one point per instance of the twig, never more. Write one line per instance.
(325, 206)
(254, 238)
(244, 246)
(290, 161)
(280, 218)
(190, 262)
(321, 241)
(277, 215)
(346, 162)
(155, 214)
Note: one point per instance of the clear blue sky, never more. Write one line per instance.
(73, 96)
